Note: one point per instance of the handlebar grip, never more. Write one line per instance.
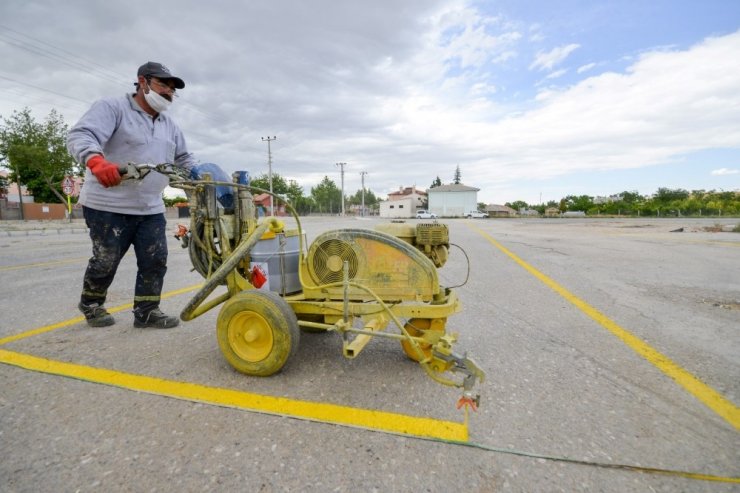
(122, 169)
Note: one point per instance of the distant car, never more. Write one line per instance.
(475, 214)
(425, 215)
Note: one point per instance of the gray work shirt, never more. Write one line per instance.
(120, 130)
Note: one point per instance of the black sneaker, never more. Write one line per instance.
(96, 315)
(154, 319)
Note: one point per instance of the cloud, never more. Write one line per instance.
(725, 171)
(405, 91)
(548, 60)
(665, 105)
(585, 68)
(556, 74)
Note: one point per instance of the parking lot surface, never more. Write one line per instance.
(611, 341)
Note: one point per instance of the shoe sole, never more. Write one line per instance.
(101, 323)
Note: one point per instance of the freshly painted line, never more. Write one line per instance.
(706, 394)
(313, 411)
(72, 321)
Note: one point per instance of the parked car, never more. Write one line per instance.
(475, 214)
(422, 214)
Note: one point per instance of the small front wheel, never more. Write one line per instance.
(257, 332)
(430, 328)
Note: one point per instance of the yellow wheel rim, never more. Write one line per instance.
(250, 336)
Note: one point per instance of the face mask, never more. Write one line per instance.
(157, 102)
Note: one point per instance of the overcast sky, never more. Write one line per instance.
(533, 100)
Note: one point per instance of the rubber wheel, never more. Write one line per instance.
(417, 327)
(257, 332)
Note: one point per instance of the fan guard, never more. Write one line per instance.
(328, 261)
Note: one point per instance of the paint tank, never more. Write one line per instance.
(277, 254)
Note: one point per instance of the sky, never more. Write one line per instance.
(533, 100)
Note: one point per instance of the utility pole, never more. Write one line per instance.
(269, 172)
(20, 191)
(362, 174)
(341, 167)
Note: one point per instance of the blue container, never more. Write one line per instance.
(242, 177)
(224, 193)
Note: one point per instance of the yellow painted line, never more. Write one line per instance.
(706, 394)
(72, 321)
(42, 264)
(313, 411)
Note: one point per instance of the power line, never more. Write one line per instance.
(41, 48)
(43, 89)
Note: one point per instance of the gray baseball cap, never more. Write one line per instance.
(154, 69)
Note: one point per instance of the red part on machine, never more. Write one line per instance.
(258, 277)
(182, 230)
(467, 401)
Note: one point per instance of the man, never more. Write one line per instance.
(119, 214)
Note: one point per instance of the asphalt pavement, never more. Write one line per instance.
(606, 341)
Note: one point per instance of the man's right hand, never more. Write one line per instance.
(106, 172)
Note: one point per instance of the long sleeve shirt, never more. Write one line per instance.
(120, 130)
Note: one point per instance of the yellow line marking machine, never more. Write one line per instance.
(354, 282)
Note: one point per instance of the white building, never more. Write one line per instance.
(403, 203)
(452, 200)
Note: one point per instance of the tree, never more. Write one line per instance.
(576, 203)
(457, 178)
(279, 185)
(631, 197)
(370, 198)
(327, 196)
(436, 183)
(38, 152)
(294, 191)
(518, 205)
(302, 205)
(666, 195)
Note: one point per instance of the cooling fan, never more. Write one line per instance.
(327, 260)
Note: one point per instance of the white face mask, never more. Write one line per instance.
(157, 102)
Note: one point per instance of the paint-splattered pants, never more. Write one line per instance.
(112, 234)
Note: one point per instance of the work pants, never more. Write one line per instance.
(112, 234)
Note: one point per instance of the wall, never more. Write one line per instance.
(398, 208)
(452, 204)
(33, 212)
